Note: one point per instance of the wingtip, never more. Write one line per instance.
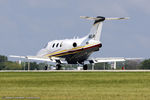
(126, 18)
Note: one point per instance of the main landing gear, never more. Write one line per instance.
(85, 67)
(58, 67)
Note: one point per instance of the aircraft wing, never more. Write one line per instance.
(110, 59)
(53, 59)
(63, 61)
(31, 57)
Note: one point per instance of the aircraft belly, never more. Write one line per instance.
(81, 56)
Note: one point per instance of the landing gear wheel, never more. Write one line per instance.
(85, 67)
(58, 67)
(46, 67)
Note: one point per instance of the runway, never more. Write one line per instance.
(74, 70)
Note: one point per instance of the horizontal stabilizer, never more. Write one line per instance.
(103, 18)
(89, 18)
(117, 18)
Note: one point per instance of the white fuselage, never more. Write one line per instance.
(75, 50)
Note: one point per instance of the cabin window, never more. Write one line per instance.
(53, 45)
(61, 44)
(57, 44)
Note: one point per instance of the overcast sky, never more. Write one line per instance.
(27, 25)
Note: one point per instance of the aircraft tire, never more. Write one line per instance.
(85, 67)
(58, 67)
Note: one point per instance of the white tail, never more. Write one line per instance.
(96, 29)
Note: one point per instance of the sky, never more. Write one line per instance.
(27, 25)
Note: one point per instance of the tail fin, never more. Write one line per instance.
(96, 29)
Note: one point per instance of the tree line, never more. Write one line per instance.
(5, 64)
(14, 65)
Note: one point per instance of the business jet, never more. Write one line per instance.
(75, 51)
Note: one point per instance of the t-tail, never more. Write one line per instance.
(96, 29)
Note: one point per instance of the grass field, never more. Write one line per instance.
(75, 85)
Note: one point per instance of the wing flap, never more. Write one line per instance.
(53, 59)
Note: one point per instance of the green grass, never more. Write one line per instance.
(76, 85)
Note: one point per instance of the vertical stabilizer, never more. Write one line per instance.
(96, 29)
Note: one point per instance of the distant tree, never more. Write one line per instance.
(68, 66)
(41, 66)
(145, 64)
(2, 65)
(33, 66)
(132, 64)
(3, 58)
(100, 66)
(12, 66)
(119, 65)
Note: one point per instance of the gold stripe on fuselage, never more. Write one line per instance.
(65, 54)
(76, 48)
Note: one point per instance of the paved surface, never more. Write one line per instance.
(75, 71)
